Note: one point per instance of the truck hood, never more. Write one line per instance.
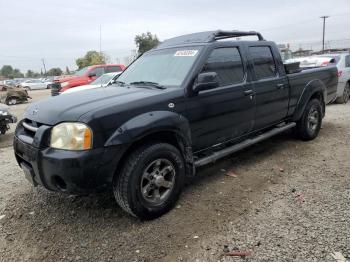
(71, 107)
(80, 88)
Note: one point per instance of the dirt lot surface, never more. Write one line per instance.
(285, 200)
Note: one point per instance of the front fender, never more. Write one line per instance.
(148, 123)
(311, 88)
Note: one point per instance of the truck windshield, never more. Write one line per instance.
(167, 67)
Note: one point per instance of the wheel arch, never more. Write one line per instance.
(313, 89)
(152, 127)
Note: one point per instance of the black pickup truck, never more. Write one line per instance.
(188, 102)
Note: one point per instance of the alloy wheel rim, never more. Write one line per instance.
(13, 101)
(313, 119)
(346, 94)
(158, 181)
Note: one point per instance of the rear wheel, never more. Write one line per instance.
(150, 181)
(310, 122)
(346, 95)
(10, 101)
(27, 88)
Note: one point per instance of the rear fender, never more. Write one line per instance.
(311, 88)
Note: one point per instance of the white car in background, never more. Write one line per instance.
(342, 61)
(102, 81)
(35, 84)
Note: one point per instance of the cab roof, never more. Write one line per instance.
(207, 37)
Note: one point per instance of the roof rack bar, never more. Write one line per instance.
(229, 34)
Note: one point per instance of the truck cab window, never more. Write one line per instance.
(264, 64)
(227, 63)
(110, 69)
(98, 71)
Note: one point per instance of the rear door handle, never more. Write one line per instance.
(280, 86)
(249, 93)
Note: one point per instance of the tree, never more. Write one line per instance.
(16, 73)
(145, 42)
(30, 74)
(91, 58)
(6, 71)
(56, 71)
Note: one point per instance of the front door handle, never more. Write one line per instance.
(249, 93)
(280, 86)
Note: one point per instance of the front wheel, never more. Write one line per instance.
(10, 101)
(310, 122)
(150, 181)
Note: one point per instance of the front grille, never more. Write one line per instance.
(30, 127)
(55, 89)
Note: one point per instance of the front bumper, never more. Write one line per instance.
(8, 119)
(76, 172)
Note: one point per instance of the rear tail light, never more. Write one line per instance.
(326, 63)
(340, 73)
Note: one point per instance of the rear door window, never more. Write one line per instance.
(110, 69)
(263, 62)
(227, 63)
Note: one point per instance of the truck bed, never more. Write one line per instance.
(298, 81)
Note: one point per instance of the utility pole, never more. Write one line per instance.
(324, 29)
(100, 42)
(42, 59)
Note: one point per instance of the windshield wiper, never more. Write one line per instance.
(148, 83)
(121, 83)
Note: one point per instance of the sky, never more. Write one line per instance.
(61, 31)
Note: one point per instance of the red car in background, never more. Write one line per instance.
(84, 76)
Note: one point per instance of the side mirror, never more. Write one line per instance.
(206, 81)
(91, 74)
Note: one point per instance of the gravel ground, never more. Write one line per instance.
(285, 200)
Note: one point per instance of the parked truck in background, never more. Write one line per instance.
(182, 105)
(83, 77)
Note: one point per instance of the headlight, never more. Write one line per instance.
(71, 136)
(64, 84)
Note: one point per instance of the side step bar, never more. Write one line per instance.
(246, 143)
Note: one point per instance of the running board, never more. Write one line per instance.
(246, 143)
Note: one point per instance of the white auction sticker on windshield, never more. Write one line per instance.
(186, 53)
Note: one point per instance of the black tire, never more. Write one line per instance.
(128, 184)
(346, 95)
(12, 100)
(310, 122)
(3, 129)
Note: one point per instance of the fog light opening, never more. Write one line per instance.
(59, 183)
